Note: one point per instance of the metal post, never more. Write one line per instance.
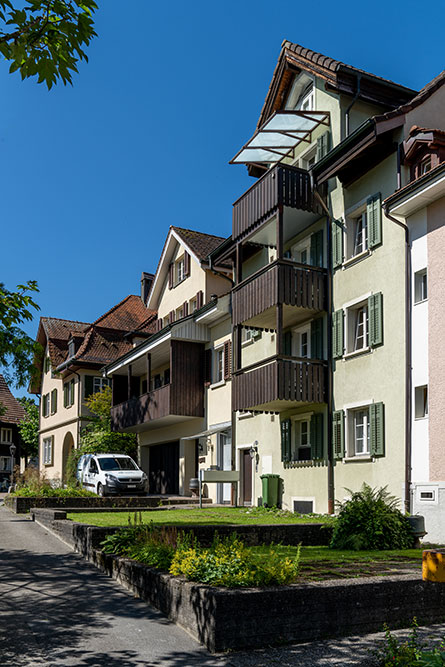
(200, 489)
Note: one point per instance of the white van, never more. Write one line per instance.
(111, 474)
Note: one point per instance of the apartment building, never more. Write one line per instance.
(420, 207)
(70, 370)
(173, 387)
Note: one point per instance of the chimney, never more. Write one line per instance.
(146, 283)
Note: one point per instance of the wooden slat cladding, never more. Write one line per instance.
(279, 283)
(287, 186)
(281, 380)
(187, 378)
(145, 408)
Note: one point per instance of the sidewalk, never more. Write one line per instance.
(57, 609)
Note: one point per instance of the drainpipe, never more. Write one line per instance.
(218, 273)
(331, 481)
(354, 100)
(408, 360)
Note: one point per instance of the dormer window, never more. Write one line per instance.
(302, 94)
(306, 101)
(425, 166)
(71, 348)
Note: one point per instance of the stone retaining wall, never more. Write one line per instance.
(22, 504)
(225, 619)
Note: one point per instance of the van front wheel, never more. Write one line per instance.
(101, 491)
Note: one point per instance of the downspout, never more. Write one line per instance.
(331, 480)
(408, 360)
(218, 273)
(354, 100)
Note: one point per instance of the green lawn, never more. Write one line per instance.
(208, 515)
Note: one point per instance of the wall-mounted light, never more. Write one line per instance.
(253, 451)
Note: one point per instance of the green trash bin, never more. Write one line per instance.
(270, 484)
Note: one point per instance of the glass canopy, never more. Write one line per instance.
(279, 136)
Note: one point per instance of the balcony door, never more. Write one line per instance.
(246, 477)
(164, 469)
(224, 491)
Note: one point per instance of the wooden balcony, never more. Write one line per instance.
(182, 398)
(282, 282)
(280, 186)
(278, 383)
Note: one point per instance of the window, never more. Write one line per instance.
(180, 313)
(420, 286)
(179, 270)
(360, 234)
(93, 467)
(5, 464)
(360, 316)
(54, 401)
(301, 252)
(68, 394)
(249, 335)
(6, 436)
(100, 383)
(219, 364)
(421, 402)
(308, 160)
(301, 343)
(45, 405)
(306, 101)
(167, 376)
(302, 442)
(425, 166)
(360, 434)
(47, 446)
(47, 364)
(193, 304)
(157, 381)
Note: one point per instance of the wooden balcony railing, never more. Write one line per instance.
(282, 282)
(281, 185)
(281, 380)
(153, 405)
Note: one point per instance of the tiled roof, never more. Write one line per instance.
(127, 315)
(14, 411)
(421, 96)
(201, 244)
(101, 346)
(62, 329)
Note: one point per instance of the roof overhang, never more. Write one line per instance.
(279, 136)
(216, 428)
(417, 195)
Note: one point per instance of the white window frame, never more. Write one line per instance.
(180, 270)
(297, 250)
(420, 286)
(350, 309)
(218, 366)
(249, 335)
(354, 216)
(193, 304)
(48, 451)
(350, 436)
(179, 313)
(6, 436)
(100, 383)
(71, 393)
(297, 342)
(360, 234)
(309, 158)
(307, 101)
(46, 402)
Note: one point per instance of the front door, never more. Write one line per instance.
(164, 469)
(224, 463)
(246, 468)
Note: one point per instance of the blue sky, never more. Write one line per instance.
(93, 175)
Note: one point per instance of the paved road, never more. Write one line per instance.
(56, 609)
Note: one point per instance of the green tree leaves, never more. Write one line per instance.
(46, 38)
(29, 428)
(17, 349)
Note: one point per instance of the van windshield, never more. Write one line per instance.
(111, 463)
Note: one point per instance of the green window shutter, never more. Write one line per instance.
(338, 434)
(375, 315)
(65, 395)
(337, 334)
(323, 145)
(317, 248)
(54, 401)
(377, 429)
(88, 389)
(287, 343)
(286, 430)
(337, 243)
(317, 448)
(71, 392)
(317, 338)
(374, 219)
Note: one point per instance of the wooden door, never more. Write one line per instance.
(246, 467)
(164, 468)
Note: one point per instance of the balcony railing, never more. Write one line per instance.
(282, 282)
(278, 382)
(286, 186)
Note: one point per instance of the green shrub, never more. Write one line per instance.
(228, 562)
(370, 520)
(34, 483)
(409, 652)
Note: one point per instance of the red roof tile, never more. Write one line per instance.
(126, 315)
(198, 242)
(14, 411)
